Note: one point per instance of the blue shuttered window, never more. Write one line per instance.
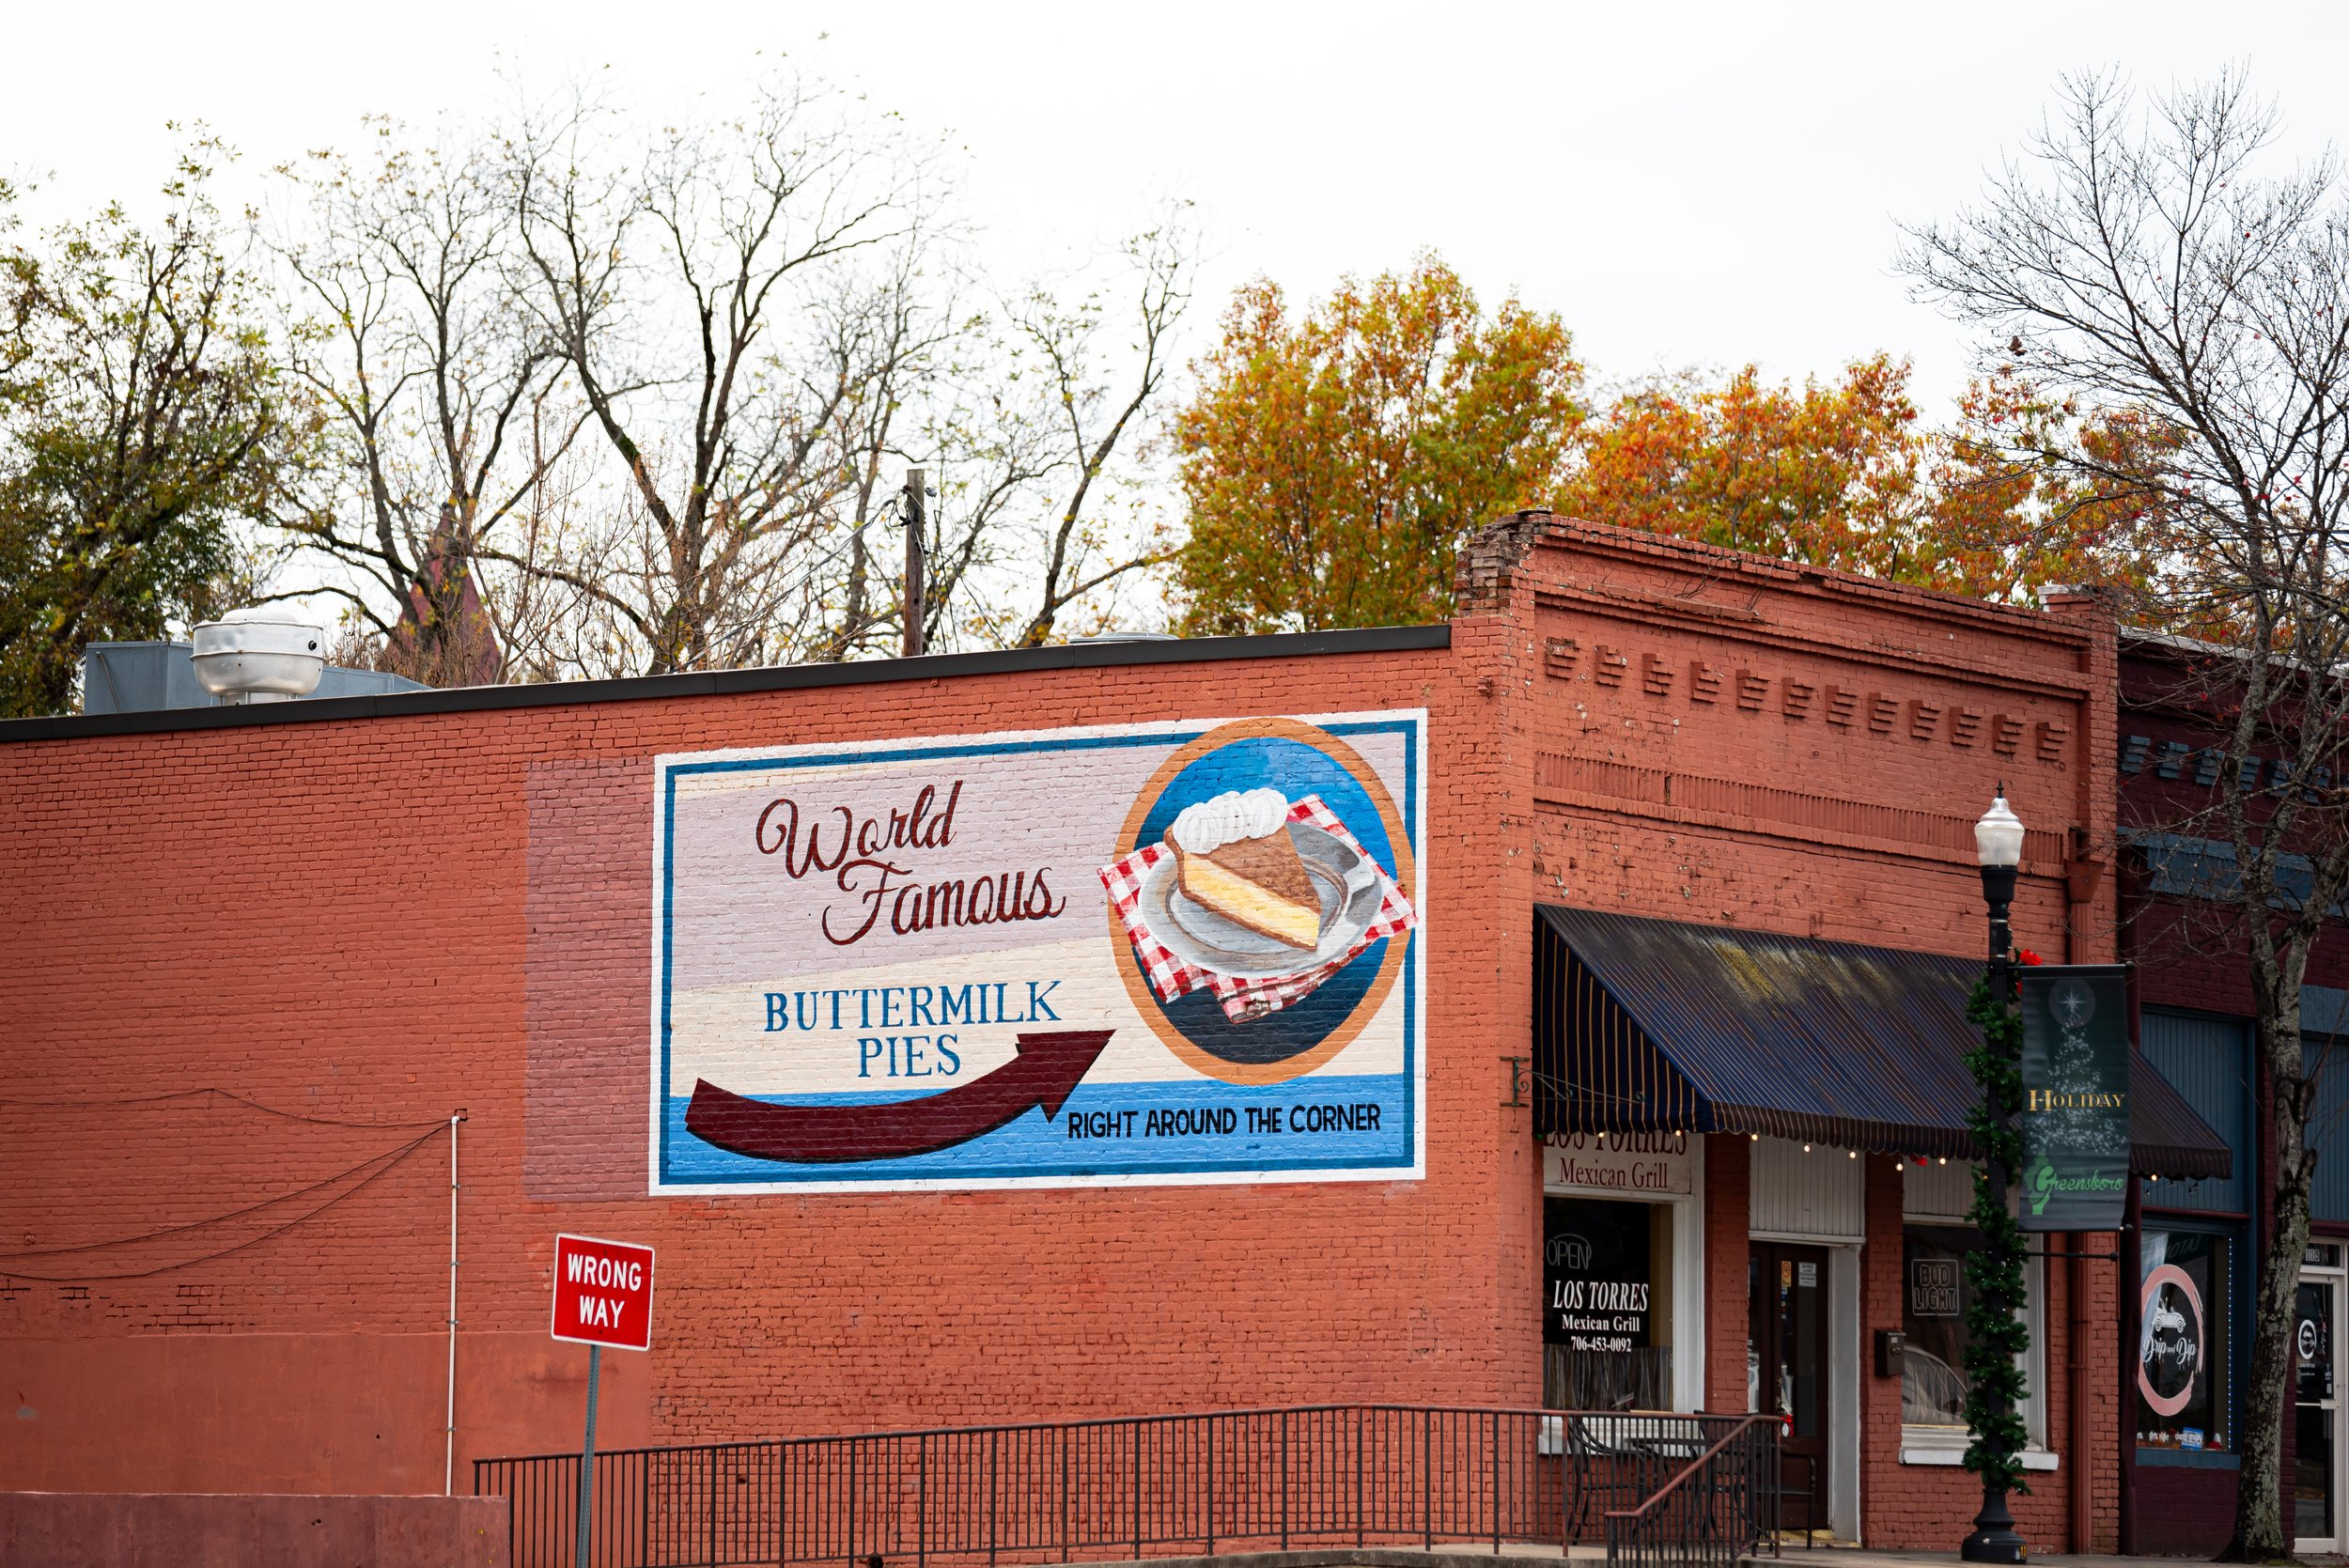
(2208, 1061)
(2328, 1128)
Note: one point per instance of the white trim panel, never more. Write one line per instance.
(1816, 1196)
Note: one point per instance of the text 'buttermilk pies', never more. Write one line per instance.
(1233, 855)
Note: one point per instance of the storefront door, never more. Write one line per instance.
(1787, 1365)
(2316, 1491)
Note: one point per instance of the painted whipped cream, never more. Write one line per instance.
(1209, 825)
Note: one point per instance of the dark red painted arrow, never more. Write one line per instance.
(1045, 1073)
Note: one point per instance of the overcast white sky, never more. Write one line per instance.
(1696, 184)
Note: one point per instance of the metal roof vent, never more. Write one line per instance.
(258, 656)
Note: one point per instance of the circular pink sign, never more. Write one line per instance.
(2169, 1274)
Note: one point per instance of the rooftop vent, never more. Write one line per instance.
(258, 656)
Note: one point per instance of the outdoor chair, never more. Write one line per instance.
(1806, 1495)
(1598, 1477)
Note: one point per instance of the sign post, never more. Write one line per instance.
(588, 1460)
(602, 1296)
(2075, 1097)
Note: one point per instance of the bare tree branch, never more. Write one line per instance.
(2142, 261)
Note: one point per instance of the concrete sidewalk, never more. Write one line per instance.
(1859, 1557)
(1794, 1555)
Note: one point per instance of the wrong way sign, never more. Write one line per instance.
(602, 1292)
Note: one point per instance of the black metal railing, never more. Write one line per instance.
(1717, 1509)
(1131, 1487)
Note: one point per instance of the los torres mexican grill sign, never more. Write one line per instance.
(2075, 1097)
(602, 1293)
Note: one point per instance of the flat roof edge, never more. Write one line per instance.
(716, 683)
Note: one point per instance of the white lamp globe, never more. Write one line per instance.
(1998, 836)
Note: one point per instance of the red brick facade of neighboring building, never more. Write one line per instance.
(2190, 961)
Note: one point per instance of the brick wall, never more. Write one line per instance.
(370, 925)
(335, 920)
(2190, 955)
(1929, 1507)
(54, 1529)
(1727, 1167)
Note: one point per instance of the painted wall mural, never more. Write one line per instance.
(1141, 953)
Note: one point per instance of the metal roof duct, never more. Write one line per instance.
(150, 677)
(251, 656)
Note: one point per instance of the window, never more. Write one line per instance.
(1635, 1199)
(2185, 1356)
(1933, 1319)
(2326, 1060)
(1606, 1304)
(1933, 1298)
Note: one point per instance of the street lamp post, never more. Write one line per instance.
(1999, 847)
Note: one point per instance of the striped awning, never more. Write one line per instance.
(1657, 1025)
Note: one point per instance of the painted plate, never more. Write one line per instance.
(1349, 884)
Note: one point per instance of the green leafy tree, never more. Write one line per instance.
(1333, 465)
(141, 419)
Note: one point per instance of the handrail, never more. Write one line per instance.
(1229, 1412)
(1250, 1479)
(1690, 1469)
(1712, 1511)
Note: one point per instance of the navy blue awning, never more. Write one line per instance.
(1658, 1025)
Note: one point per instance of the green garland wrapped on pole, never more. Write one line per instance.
(1996, 1337)
(1996, 1333)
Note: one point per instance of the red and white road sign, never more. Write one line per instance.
(602, 1292)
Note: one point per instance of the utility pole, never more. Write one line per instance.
(915, 597)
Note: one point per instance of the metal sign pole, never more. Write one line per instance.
(602, 1296)
(588, 1458)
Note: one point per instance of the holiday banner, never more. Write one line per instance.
(2075, 1097)
(1133, 954)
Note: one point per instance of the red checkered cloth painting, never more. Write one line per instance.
(1246, 997)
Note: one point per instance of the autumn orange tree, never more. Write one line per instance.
(1827, 474)
(1845, 475)
(1333, 464)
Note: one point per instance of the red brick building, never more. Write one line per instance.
(256, 959)
(2196, 1019)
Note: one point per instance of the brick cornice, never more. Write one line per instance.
(1752, 627)
(1714, 562)
(1798, 817)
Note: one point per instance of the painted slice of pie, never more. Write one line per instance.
(1233, 855)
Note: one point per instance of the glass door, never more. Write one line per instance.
(1787, 1368)
(2317, 1458)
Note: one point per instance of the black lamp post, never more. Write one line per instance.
(1998, 846)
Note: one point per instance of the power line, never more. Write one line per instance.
(141, 1101)
(213, 1220)
(383, 1162)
